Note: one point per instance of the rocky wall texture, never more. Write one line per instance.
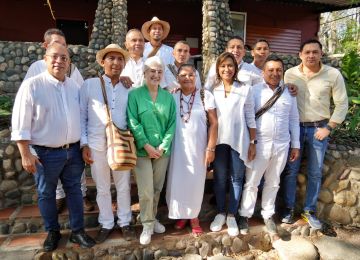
(102, 28)
(110, 24)
(16, 185)
(217, 30)
(16, 58)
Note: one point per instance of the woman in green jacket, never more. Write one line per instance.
(151, 117)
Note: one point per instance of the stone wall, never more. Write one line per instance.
(110, 24)
(217, 30)
(16, 58)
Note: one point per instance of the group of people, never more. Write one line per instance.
(248, 121)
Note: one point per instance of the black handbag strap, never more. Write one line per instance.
(173, 70)
(270, 102)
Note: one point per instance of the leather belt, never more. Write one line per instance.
(64, 147)
(320, 123)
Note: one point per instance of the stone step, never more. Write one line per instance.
(27, 218)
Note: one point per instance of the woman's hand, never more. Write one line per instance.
(152, 151)
(251, 152)
(209, 157)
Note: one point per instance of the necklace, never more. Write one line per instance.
(185, 116)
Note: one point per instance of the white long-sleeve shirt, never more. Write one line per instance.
(235, 115)
(134, 70)
(165, 53)
(171, 81)
(246, 74)
(280, 124)
(40, 66)
(46, 111)
(93, 110)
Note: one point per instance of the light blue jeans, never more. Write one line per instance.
(315, 153)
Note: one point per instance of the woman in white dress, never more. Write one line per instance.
(193, 149)
(235, 146)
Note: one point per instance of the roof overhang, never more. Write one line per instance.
(321, 6)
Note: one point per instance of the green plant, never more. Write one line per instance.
(6, 104)
(350, 69)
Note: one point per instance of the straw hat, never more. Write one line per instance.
(111, 48)
(146, 28)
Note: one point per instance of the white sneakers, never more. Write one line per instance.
(145, 237)
(158, 227)
(219, 221)
(233, 229)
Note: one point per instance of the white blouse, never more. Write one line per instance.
(235, 114)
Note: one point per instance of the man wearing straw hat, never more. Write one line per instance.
(93, 140)
(155, 31)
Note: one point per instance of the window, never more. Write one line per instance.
(76, 32)
(239, 24)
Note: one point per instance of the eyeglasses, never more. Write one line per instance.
(63, 58)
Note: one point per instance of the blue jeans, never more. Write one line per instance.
(228, 164)
(66, 165)
(315, 153)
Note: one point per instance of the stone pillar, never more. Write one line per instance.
(217, 30)
(119, 21)
(101, 34)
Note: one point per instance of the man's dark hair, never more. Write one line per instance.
(52, 31)
(276, 59)
(235, 38)
(310, 41)
(260, 40)
(186, 65)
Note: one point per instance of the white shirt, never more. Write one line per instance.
(40, 66)
(246, 75)
(93, 110)
(280, 124)
(46, 111)
(172, 83)
(134, 70)
(256, 73)
(165, 53)
(235, 115)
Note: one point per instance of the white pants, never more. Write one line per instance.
(60, 193)
(271, 168)
(100, 172)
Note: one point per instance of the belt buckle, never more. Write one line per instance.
(65, 146)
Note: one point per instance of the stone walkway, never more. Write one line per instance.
(297, 241)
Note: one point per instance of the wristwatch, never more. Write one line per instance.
(253, 141)
(329, 128)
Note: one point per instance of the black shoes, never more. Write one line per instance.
(52, 240)
(81, 238)
(128, 232)
(102, 235)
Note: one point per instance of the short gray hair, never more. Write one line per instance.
(153, 61)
